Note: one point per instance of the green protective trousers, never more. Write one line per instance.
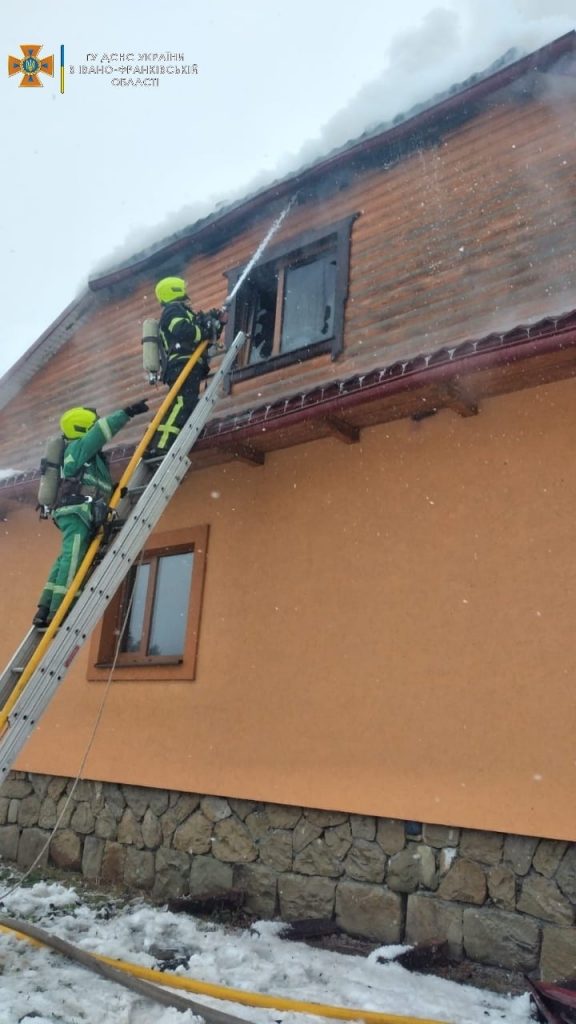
(75, 525)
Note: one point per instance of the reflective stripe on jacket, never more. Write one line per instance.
(181, 330)
(82, 456)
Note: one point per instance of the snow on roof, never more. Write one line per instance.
(375, 131)
(506, 68)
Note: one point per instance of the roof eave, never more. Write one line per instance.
(340, 398)
(43, 348)
(462, 361)
(536, 61)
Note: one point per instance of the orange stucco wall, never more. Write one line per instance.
(387, 628)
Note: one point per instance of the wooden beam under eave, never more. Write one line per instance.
(452, 397)
(244, 453)
(345, 432)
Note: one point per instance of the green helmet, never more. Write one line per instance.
(170, 289)
(75, 422)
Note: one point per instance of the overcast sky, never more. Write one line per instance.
(101, 170)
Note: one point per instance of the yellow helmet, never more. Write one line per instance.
(75, 422)
(170, 289)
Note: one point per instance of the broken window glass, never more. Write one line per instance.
(309, 293)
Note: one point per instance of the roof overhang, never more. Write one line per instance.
(46, 346)
(232, 218)
(456, 378)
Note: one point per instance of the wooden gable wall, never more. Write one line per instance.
(469, 235)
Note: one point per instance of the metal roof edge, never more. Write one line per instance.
(537, 60)
(552, 333)
(41, 351)
(523, 341)
(44, 347)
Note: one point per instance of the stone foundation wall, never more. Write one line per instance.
(497, 899)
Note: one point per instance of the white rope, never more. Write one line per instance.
(89, 746)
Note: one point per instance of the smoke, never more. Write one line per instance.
(452, 42)
(447, 48)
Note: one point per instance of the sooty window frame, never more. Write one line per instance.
(295, 252)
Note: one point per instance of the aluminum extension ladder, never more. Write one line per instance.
(103, 583)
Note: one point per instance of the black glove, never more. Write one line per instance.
(137, 408)
(218, 314)
(213, 322)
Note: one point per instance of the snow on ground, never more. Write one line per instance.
(38, 986)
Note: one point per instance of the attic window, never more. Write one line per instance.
(292, 306)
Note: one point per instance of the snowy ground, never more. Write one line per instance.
(38, 986)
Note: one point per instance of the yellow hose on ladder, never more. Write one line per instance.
(97, 541)
(237, 995)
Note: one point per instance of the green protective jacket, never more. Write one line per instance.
(85, 474)
(83, 461)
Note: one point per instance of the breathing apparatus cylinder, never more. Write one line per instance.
(50, 474)
(150, 349)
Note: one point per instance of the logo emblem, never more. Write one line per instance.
(30, 66)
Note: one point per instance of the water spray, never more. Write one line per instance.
(263, 245)
(151, 327)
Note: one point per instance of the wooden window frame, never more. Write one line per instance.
(334, 237)
(132, 666)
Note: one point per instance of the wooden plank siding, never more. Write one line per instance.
(468, 236)
(399, 604)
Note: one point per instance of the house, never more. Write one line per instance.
(368, 712)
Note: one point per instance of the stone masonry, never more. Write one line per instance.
(502, 900)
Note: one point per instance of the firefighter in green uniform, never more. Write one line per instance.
(83, 495)
(181, 329)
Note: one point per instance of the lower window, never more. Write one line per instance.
(150, 629)
(157, 599)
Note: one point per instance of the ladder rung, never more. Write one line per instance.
(127, 537)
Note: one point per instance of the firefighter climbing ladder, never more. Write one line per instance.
(34, 673)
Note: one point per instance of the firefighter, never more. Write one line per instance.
(180, 331)
(81, 503)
